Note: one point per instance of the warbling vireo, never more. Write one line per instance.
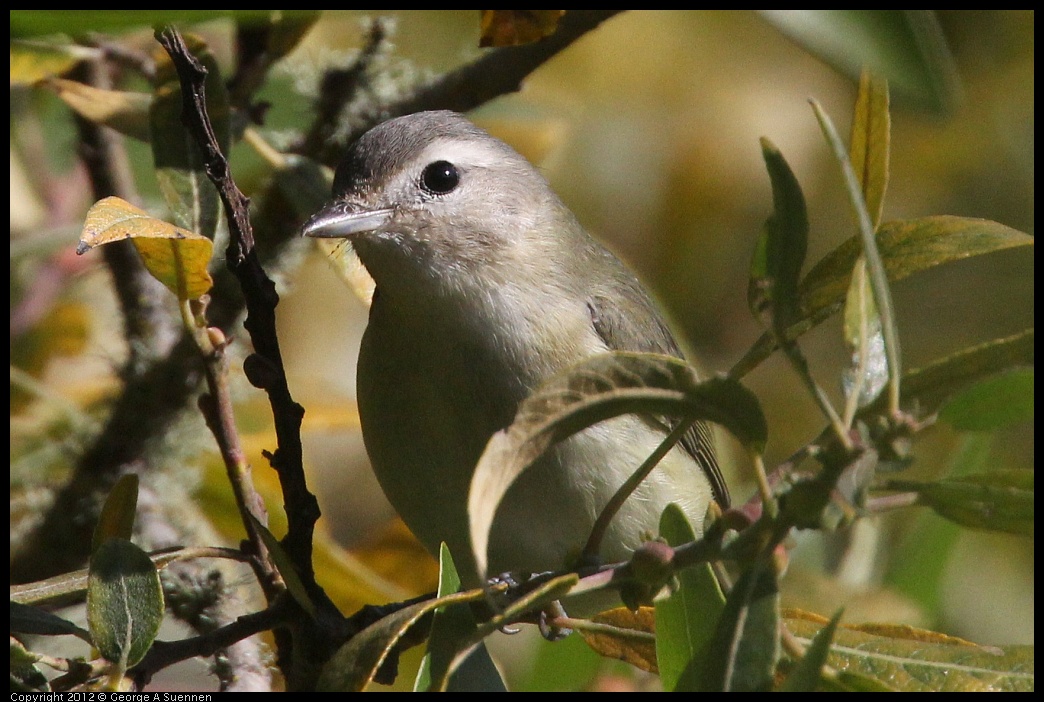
(486, 286)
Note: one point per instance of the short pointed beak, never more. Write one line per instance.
(338, 220)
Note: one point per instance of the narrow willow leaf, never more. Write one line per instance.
(285, 565)
(907, 47)
(875, 268)
(126, 112)
(781, 249)
(907, 247)
(685, 619)
(69, 588)
(176, 257)
(915, 660)
(33, 620)
(865, 376)
(1001, 500)
(450, 629)
(807, 673)
(124, 602)
(594, 390)
(992, 403)
(183, 180)
(743, 654)
(24, 675)
(355, 664)
(116, 520)
(936, 382)
(869, 145)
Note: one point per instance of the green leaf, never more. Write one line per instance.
(869, 146)
(746, 644)
(906, 246)
(32, 620)
(124, 602)
(452, 627)
(116, 520)
(285, 565)
(24, 675)
(992, 403)
(42, 22)
(806, 674)
(915, 660)
(355, 664)
(192, 198)
(686, 619)
(934, 383)
(906, 47)
(922, 556)
(596, 389)
(1001, 500)
(781, 249)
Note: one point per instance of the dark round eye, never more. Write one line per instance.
(440, 177)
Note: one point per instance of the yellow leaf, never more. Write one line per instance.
(177, 257)
(126, 112)
(630, 641)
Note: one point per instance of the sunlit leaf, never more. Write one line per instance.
(1001, 500)
(686, 619)
(915, 660)
(126, 112)
(631, 638)
(33, 61)
(513, 27)
(907, 247)
(806, 674)
(594, 390)
(116, 520)
(869, 146)
(124, 602)
(176, 257)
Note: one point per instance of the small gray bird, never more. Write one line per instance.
(487, 286)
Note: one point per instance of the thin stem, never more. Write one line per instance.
(875, 266)
(601, 525)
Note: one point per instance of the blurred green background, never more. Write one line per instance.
(649, 130)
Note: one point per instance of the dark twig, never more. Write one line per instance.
(497, 72)
(265, 369)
